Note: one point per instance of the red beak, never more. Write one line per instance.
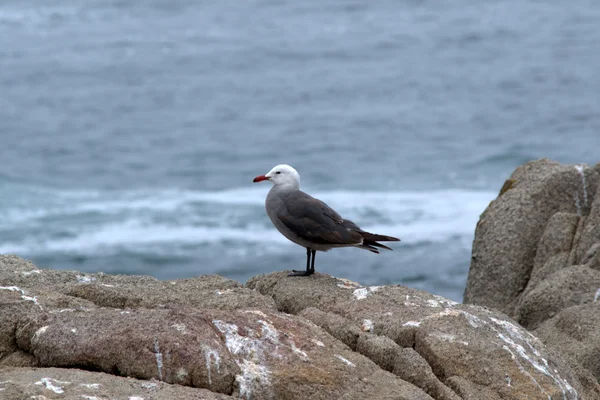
(260, 178)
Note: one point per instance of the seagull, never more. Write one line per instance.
(309, 222)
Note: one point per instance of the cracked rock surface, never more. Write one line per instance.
(449, 350)
(208, 334)
(536, 257)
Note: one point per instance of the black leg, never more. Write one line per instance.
(310, 268)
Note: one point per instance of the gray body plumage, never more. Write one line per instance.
(308, 221)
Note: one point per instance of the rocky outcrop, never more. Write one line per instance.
(449, 350)
(542, 200)
(278, 338)
(536, 257)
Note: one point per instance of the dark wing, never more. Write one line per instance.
(316, 222)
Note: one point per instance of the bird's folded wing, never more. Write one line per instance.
(315, 221)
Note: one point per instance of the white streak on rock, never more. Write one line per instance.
(577, 204)
(363, 293)
(411, 323)
(135, 398)
(433, 303)
(107, 285)
(180, 327)
(451, 338)
(253, 377)
(38, 333)
(211, 354)
(3, 383)
(85, 396)
(125, 312)
(90, 385)
(539, 363)
(367, 325)
(525, 372)
(236, 344)
(33, 299)
(149, 385)
(84, 279)
(581, 170)
(33, 271)
(181, 374)
(159, 358)
(52, 384)
(300, 353)
(345, 361)
(269, 332)
(347, 284)
(317, 342)
(256, 312)
(74, 330)
(597, 295)
(344, 286)
(443, 300)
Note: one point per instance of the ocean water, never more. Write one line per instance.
(131, 131)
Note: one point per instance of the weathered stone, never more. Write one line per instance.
(471, 391)
(565, 288)
(254, 353)
(509, 230)
(554, 247)
(80, 290)
(345, 341)
(575, 332)
(74, 384)
(590, 233)
(480, 346)
(174, 346)
(543, 231)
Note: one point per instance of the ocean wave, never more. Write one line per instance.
(439, 202)
(168, 220)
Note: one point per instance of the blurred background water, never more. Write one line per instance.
(131, 131)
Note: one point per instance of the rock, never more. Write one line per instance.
(445, 345)
(82, 290)
(553, 249)
(536, 256)
(575, 332)
(565, 288)
(113, 324)
(74, 384)
(509, 230)
(590, 232)
(278, 338)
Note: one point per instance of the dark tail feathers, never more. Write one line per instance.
(370, 241)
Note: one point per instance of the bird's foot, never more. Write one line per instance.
(296, 272)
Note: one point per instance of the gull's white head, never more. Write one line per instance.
(281, 175)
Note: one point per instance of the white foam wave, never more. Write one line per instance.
(135, 235)
(172, 219)
(434, 203)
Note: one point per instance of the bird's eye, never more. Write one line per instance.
(278, 172)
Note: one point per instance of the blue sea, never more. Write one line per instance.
(131, 131)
